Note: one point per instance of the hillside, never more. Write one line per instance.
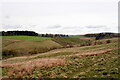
(71, 57)
(100, 61)
(30, 45)
(26, 45)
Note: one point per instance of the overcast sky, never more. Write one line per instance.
(60, 16)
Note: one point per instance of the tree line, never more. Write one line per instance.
(53, 35)
(15, 33)
(103, 35)
(29, 33)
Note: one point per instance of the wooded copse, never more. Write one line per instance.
(103, 35)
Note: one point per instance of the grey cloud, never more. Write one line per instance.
(73, 27)
(11, 26)
(17, 26)
(55, 27)
(98, 26)
(7, 17)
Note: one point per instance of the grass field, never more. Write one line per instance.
(32, 45)
(71, 41)
(89, 61)
(27, 38)
(21, 48)
(67, 64)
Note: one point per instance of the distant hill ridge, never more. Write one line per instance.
(32, 33)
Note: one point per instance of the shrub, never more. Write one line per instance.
(82, 45)
(9, 53)
(34, 51)
(99, 42)
(108, 41)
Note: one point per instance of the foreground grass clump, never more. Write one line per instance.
(103, 65)
(31, 68)
(96, 66)
(27, 38)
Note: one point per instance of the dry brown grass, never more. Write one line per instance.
(13, 40)
(92, 53)
(42, 62)
(19, 69)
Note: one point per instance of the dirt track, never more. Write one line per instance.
(93, 53)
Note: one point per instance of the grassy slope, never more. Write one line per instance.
(98, 66)
(113, 40)
(27, 38)
(25, 45)
(72, 41)
(64, 51)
